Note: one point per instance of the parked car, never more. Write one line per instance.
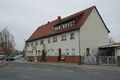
(19, 58)
(10, 58)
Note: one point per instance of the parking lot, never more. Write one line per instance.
(48, 71)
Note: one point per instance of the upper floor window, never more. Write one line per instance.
(63, 37)
(31, 43)
(72, 36)
(42, 42)
(27, 44)
(54, 39)
(36, 43)
(49, 40)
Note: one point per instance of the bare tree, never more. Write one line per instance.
(7, 41)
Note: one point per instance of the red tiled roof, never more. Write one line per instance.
(48, 29)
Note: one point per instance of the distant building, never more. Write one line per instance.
(2, 51)
(70, 39)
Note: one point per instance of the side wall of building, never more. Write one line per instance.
(93, 34)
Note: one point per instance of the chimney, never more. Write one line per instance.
(59, 17)
(48, 22)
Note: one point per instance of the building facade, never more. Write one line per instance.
(70, 39)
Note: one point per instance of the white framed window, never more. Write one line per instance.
(73, 51)
(55, 39)
(42, 42)
(63, 37)
(36, 43)
(72, 36)
(49, 40)
(31, 43)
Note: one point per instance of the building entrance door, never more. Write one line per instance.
(43, 56)
(59, 57)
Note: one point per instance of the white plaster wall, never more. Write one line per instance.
(67, 44)
(93, 34)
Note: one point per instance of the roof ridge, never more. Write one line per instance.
(47, 29)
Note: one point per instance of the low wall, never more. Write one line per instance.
(72, 59)
(52, 58)
(68, 59)
(30, 58)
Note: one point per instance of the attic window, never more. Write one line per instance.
(65, 25)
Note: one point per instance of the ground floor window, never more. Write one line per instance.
(73, 51)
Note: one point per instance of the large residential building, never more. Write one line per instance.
(70, 39)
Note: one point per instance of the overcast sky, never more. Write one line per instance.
(22, 17)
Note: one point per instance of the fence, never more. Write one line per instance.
(107, 60)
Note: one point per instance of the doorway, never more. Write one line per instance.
(59, 57)
(43, 56)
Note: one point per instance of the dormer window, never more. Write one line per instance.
(56, 28)
(61, 26)
(65, 25)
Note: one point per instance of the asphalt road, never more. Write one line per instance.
(35, 71)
